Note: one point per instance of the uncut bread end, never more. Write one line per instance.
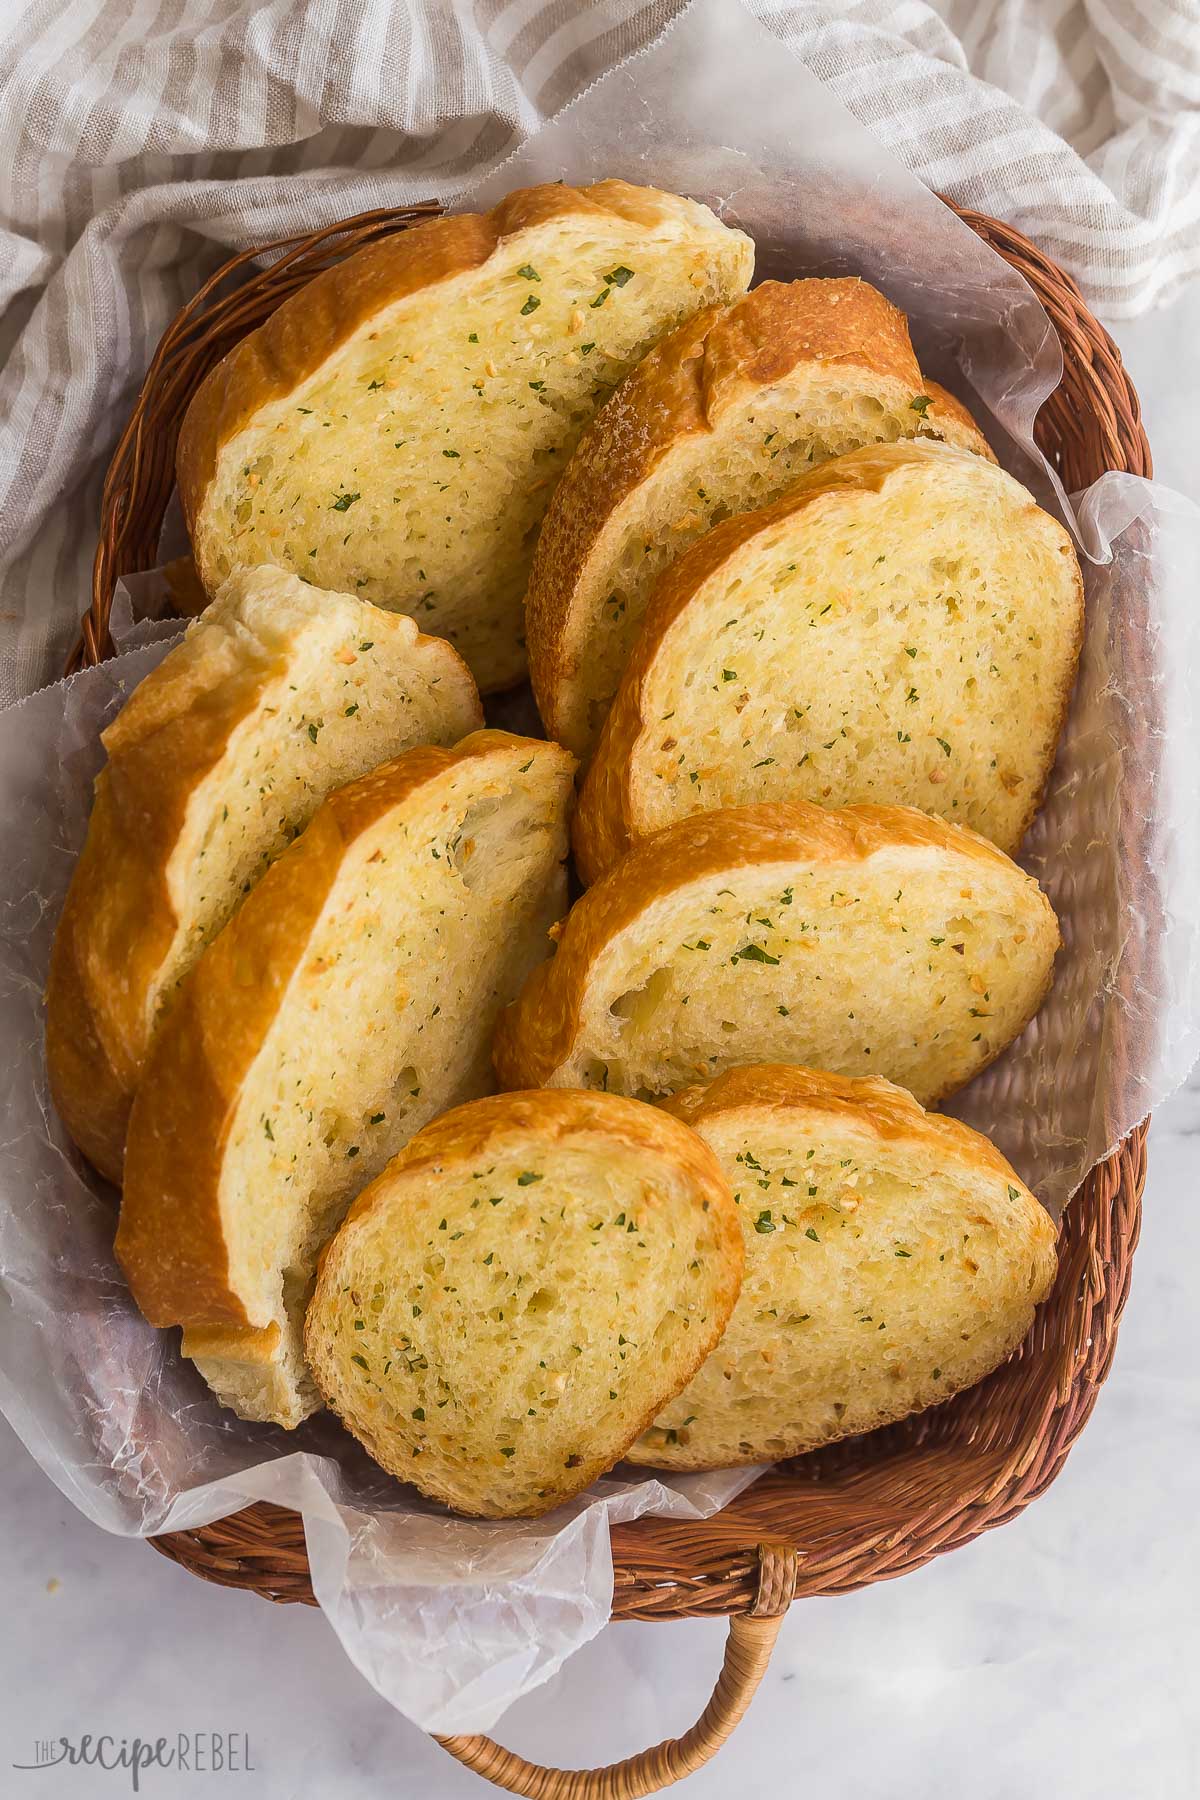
(277, 694)
(720, 417)
(350, 1000)
(396, 426)
(902, 625)
(866, 940)
(893, 1258)
(519, 1293)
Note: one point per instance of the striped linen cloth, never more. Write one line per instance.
(141, 141)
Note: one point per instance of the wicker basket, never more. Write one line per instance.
(859, 1512)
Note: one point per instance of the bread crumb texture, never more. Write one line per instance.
(510, 1303)
(412, 463)
(871, 940)
(718, 419)
(892, 1259)
(217, 761)
(348, 688)
(440, 901)
(901, 626)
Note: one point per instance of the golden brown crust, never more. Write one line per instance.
(90, 1081)
(470, 1131)
(185, 587)
(865, 1103)
(537, 1033)
(313, 323)
(119, 919)
(685, 386)
(797, 1102)
(949, 418)
(554, 1115)
(605, 825)
(686, 1459)
(170, 1241)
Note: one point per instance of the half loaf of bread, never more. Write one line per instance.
(892, 1258)
(277, 694)
(718, 418)
(397, 426)
(902, 625)
(868, 940)
(519, 1293)
(349, 1001)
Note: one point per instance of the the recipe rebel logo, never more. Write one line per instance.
(189, 1752)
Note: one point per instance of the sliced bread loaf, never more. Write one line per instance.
(520, 1292)
(892, 1258)
(868, 940)
(719, 417)
(396, 427)
(902, 625)
(276, 695)
(350, 1000)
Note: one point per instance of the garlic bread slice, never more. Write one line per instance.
(520, 1292)
(348, 1002)
(892, 1258)
(397, 426)
(868, 940)
(217, 760)
(901, 626)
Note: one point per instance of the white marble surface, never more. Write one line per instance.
(1055, 1656)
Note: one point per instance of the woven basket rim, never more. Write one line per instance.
(834, 1505)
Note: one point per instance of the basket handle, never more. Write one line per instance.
(748, 1649)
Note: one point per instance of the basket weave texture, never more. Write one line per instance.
(873, 1507)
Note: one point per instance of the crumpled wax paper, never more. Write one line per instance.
(452, 1620)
